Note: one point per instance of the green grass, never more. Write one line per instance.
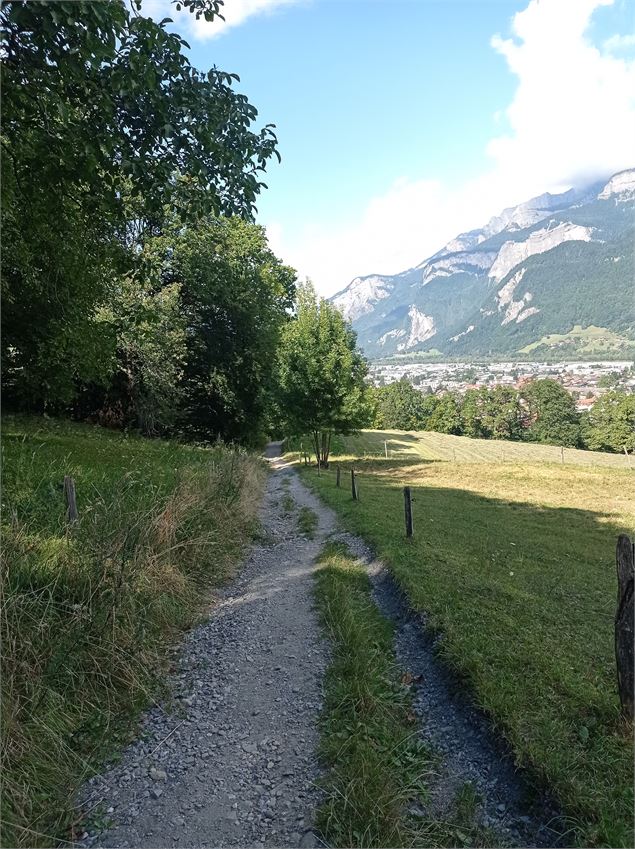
(586, 340)
(88, 611)
(427, 445)
(514, 564)
(376, 766)
(288, 504)
(378, 770)
(307, 522)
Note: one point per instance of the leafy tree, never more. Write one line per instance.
(550, 415)
(399, 406)
(610, 424)
(502, 414)
(235, 297)
(108, 132)
(321, 375)
(445, 416)
(472, 413)
(146, 388)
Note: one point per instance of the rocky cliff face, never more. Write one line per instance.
(621, 187)
(537, 268)
(361, 295)
(512, 253)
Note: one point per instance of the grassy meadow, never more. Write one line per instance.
(427, 445)
(513, 561)
(88, 611)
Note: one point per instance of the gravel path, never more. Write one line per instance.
(234, 764)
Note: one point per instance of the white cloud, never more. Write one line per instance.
(394, 232)
(573, 113)
(619, 42)
(572, 119)
(234, 12)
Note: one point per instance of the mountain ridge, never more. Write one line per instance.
(535, 271)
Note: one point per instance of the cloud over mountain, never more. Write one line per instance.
(571, 120)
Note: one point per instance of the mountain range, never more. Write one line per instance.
(555, 273)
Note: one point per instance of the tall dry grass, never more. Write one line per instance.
(87, 615)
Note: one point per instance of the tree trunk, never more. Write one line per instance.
(316, 446)
(326, 448)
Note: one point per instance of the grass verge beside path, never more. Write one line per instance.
(88, 613)
(514, 565)
(378, 770)
(375, 763)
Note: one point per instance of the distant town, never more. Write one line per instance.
(586, 381)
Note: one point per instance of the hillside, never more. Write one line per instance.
(521, 283)
(512, 566)
(428, 446)
(90, 609)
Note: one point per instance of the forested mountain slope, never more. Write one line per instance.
(544, 267)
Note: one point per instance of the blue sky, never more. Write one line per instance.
(401, 122)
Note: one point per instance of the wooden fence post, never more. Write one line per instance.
(71, 505)
(407, 499)
(628, 457)
(624, 628)
(386, 448)
(337, 477)
(562, 453)
(353, 485)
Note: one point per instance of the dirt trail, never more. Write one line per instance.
(235, 763)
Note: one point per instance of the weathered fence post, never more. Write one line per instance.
(628, 457)
(562, 453)
(624, 628)
(337, 477)
(353, 485)
(386, 448)
(407, 500)
(69, 494)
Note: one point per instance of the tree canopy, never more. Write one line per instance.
(109, 134)
(550, 413)
(610, 424)
(320, 375)
(542, 411)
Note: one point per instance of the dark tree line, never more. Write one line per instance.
(135, 288)
(542, 411)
